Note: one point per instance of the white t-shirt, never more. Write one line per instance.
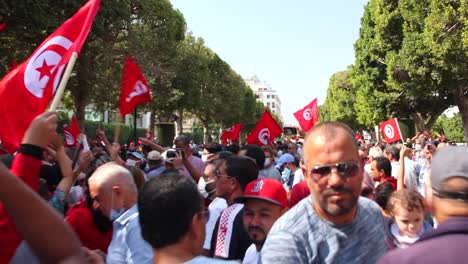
(251, 255)
(215, 208)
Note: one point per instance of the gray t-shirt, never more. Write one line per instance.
(301, 236)
(205, 260)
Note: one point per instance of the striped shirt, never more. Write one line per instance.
(301, 236)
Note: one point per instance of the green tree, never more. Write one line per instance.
(452, 127)
(341, 98)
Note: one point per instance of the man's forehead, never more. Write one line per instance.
(340, 148)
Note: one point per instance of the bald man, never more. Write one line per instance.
(114, 193)
(334, 225)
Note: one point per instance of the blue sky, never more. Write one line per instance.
(295, 46)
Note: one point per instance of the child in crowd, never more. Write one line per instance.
(406, 208)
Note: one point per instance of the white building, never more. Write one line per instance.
(265, 94)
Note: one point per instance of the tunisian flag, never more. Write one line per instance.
(135, 89)
(265, 131)
(307, 116)
(71, 133)
(26, 91)
(391, 130)
(232, 133)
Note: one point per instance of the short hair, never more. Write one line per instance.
(268, 149)
(256, 153)
(213, 147)
(392, 149)
(406, 198)
(167, 204)
(382, 194)
(383, 163)
(111, 174)
(375, 152)
(138, 175)
(233, 148)
(182, 138)
(224, 154)
(243, 169)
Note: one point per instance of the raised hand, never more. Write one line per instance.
(42, 130)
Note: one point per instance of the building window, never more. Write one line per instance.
(268, 96)
(268, 104)
(257, 96)
(273, 105)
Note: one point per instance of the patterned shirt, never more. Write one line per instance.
(301, 236)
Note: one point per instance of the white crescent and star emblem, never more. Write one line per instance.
(388, 130)
(307, 114)
(43, 65)
(138, 89)
(264, 136)
(69, 138)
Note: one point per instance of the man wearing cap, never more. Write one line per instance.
(334, 225)
(281, 165)
(134, 159)
(230, 240)
(447, 243)
(193, 166)
(265, 200)
(155, 162)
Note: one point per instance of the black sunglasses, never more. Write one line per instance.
(345, 169)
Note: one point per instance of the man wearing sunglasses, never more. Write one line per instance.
(334, 225)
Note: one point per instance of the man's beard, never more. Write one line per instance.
(338, 208)
(254, 239)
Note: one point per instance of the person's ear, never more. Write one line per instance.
(196, 229)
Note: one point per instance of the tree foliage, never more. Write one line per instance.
(452, 127)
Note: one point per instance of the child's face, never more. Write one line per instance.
(409, 222)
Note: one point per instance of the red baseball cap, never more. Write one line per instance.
(265, 189)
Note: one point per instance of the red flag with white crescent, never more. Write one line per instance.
(307, 116)
(26, 91)
(71, 133)
(265, 131)
(391, 130)
(232, 133)
(135, 89)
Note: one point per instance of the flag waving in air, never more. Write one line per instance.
(71, 133)
(391, 130)
(26, 91)
(265, 131)
(135, 90)
(307, 116)
(232, 133)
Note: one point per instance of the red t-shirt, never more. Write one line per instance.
(299, 192)
(81, 220)
(392, 181)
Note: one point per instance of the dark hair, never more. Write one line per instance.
(167, 204)
(256, 153)
(101, 222)
(213, 147)
(233, 148)
(296, 162)
(243, 169)
(408, 199)
(382, 194)
(224, 154)
(383, 163)
(392, 149)
(138, 175)
(183, 138)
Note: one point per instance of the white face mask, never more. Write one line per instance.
(202, 187)
(267, 162)
(286, 174)
(114, 214)
(206, 157)
(131, 162)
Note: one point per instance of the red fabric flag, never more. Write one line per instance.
(307, 116)
(72, 133)
(149, 135)
(14, 64)
(3, 26)
(135, 90)
(232, 133)
(265, 131)
(391, 130)
(26, 91)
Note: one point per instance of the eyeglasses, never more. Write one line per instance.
(344, 169)
(219, 174)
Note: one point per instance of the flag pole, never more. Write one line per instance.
(117, 128)
(63, 82)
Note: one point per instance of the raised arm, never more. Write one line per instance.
(22, 205)
(401, 172)
(151, 144)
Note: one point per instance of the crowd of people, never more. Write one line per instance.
(330, 197)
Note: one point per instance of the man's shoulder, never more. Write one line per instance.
(369, 208)
(294, 220)
(205, 260)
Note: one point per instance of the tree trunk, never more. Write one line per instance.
(180, 122)
(80, 106)
(206, 131)
(152, 121)
(418, 121)
(462, 103)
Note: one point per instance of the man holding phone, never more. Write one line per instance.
(193, 166)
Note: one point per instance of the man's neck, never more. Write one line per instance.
(233, 196)
(174, 254)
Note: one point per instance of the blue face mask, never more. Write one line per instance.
(114, 214)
